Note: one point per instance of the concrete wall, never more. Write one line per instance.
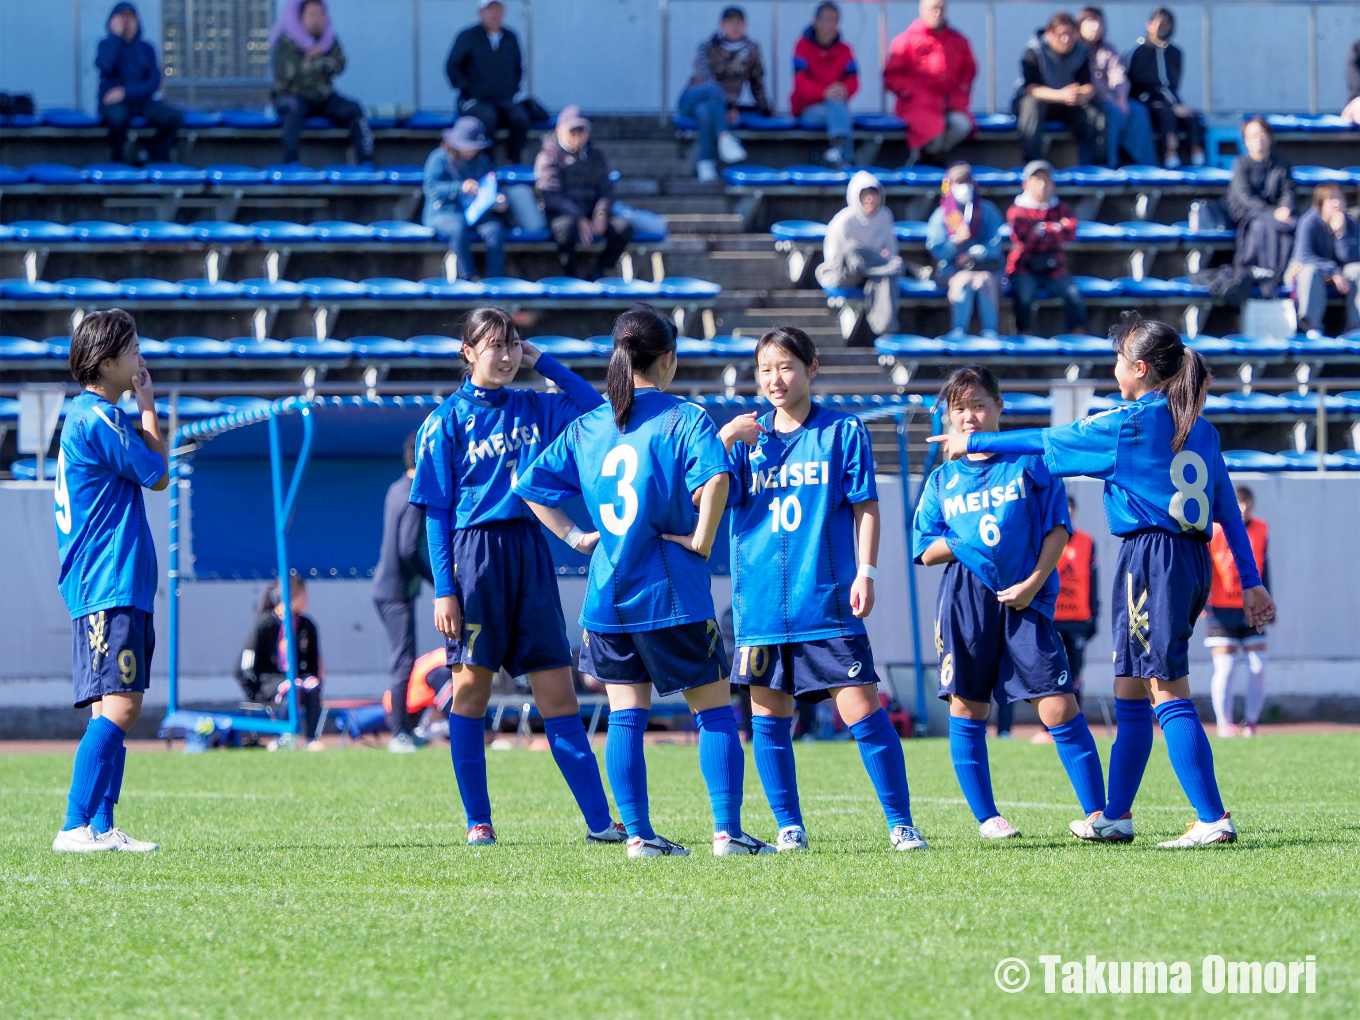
(607, 54)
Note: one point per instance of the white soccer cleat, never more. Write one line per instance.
(729, 149)
(481, 835)
(613, 833)
(791, 837)
(122, 841)
(740, 845)
(997, 828)
(1204, 833)
(706, 170)
(80, 840)
(657, 846)
(1099, 829)
(905, 837)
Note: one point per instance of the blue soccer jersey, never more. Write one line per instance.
(793, 528)
(994, 514)
(1147, 483)
(638, 485)
(107, 556)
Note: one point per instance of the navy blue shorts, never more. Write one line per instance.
(1228, 628)
(807, 669)
(1161, 583)
(512, 615)
(988, 650)
(111, 653)
(672, 659)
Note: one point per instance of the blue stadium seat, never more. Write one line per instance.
(26, 469)
(22, 290)
(432, 346)
(404, 174)
(428, 120)
(452, 290)
(198, 348)
(505, 286)
(752, 175)
(266, 290)
(798, 230)
(689, 288)
(342, 230)
(563, 346)
(401, 230)
(294, 173)
(1253, 460)
(142, 289)
(903, 345)
(328, 288)
(569, 287)
(220, 231)
(388, 288)
(115, 173)
(64, 118)
(248, 119)
(911, 231)
(12, 174)
(17, 348)
(158, 230)
(102, 230)
(519, 173)
(340, 173)
(235, 173)
(42, 230)
(380, 347)
(203, 290)
(175, 173)
(617, 287)
(83, 289)
(283, 230)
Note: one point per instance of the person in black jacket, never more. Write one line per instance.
(396, 586)
(264, 666)
(571, 177)
(1155, 73)
(1055, 84)
(129, 78)
(1260, 200)
(485, 68)
(1352, 110)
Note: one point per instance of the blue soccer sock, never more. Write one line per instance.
(627, 768)
(1191, 757)
(968, 751)
(103, 817)
(93, 766)
(467, 745)
(1130, 753)
(1078, 754)
(880, 748)
(572, 752)
(772, 740)
(723, 764)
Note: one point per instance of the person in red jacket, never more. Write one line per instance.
(1042, 225)
(824, 79)
(1229, 634)
(931, 69)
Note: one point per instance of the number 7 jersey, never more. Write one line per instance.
(994, 514)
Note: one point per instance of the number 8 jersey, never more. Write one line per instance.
(994, 514)
(793, 528)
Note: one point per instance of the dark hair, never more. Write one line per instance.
(791, 340)
(1325, 191)
(728, 13)
(1260, 122)
(1060, 20)
(408, 451)
(641, 335)
(825, 5)
(1162, 12)
(99, 337)
(1178, 371)
(1245, 495)
(961, 380)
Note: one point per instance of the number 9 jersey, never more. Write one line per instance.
(994, 514)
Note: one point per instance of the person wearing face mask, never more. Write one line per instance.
(1260, 200)
(861, 250)
(1326, 250)
(964, 238)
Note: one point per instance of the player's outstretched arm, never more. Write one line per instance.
(555, 520)
(866, 541)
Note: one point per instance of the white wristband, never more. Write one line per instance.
(868, 570)
(574, 537)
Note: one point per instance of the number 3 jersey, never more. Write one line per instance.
(638, 485)
(793, 528)
(994, 514)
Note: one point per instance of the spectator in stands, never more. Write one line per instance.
(485, 68)
(727, 69)
(861, 250)
(1041, 228)
(964, 238)
(1055, 84)
(1326, 250)
(1155, 70)
(263, 672)
(454, 173)
(1260, 200)
(1127, 124)
(307, 59)
(824, 79)
(129, 78)
(571, 177)
(931, 70)
(1352, 110)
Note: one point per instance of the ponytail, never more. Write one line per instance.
(641, 336)
(1178, 371)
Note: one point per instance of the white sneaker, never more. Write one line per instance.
(706, 170)
(615, 833)
(481, 835)
(401, 743)
(729, 149)
(739, 845)
(122, 841)
(657, 846)
(1203, 833)
(905, 837)
(997, 828)
(1099, 829)
(791, 837)
(80, 840)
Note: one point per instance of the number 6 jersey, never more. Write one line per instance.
(994, 514)
(793, 528)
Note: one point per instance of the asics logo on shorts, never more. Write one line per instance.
(1139, 618)
(854, 670)
(99, 638)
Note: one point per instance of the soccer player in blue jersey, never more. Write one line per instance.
(108, 566)
(1165, 485)
(804, 493)
(1000, 522)
(654, 475)
(496, 600)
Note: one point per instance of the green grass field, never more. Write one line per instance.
(336, 885)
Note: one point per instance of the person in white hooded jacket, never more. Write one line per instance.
(861, 250)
